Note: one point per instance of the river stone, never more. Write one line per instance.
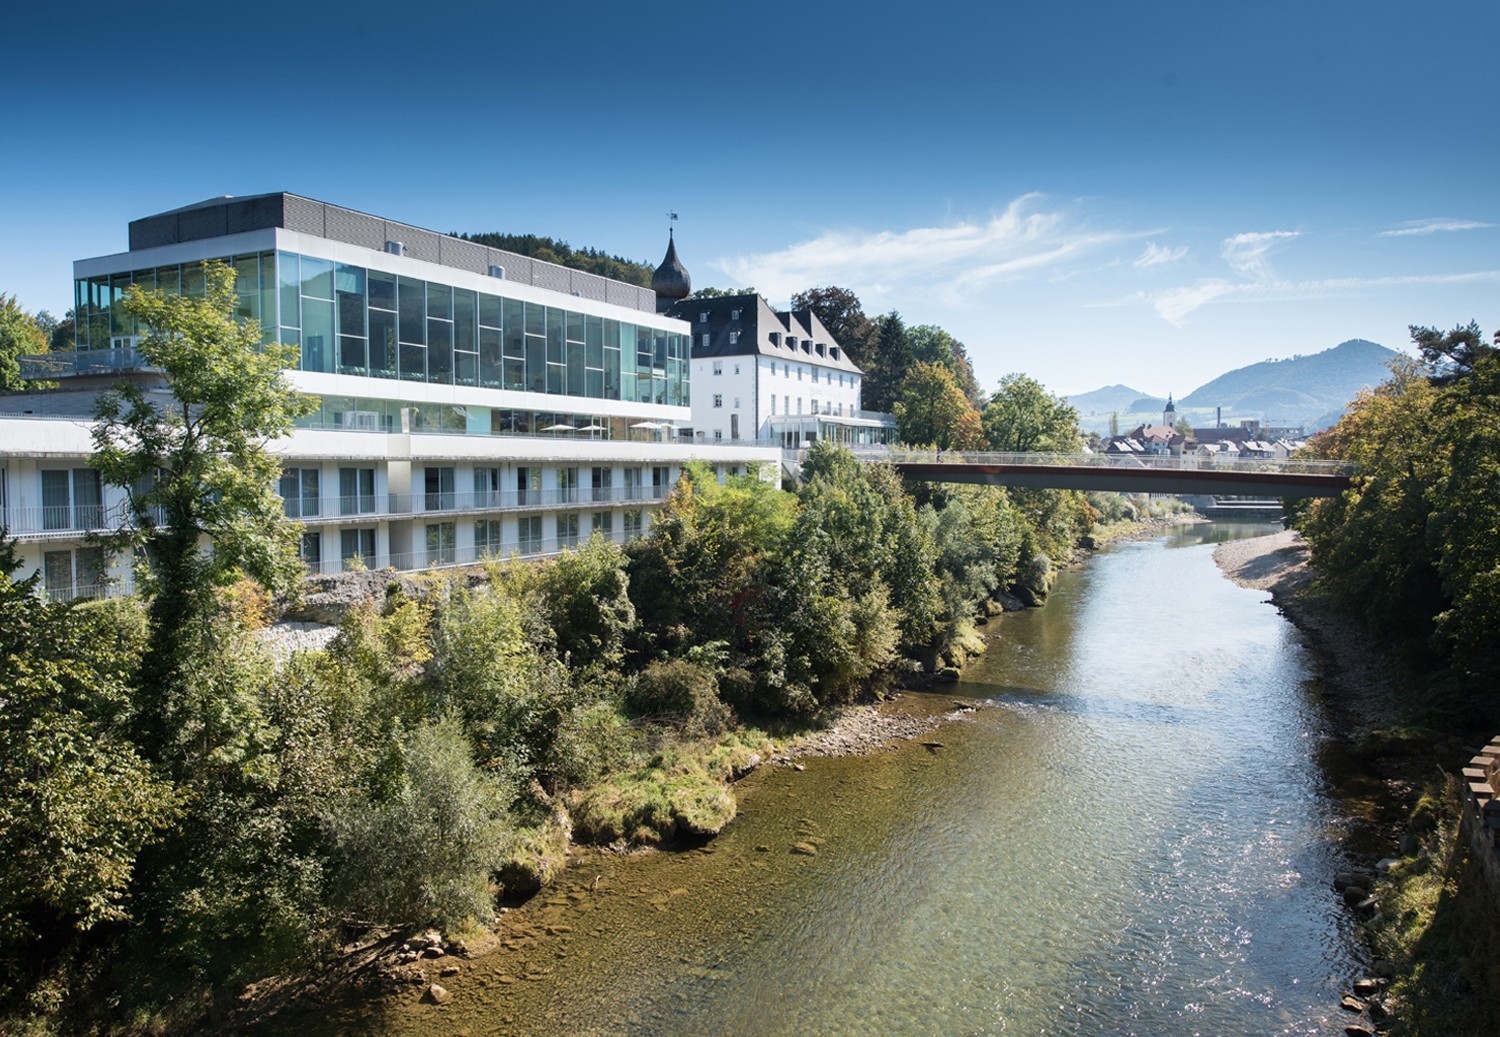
(439, 995)
(1368, 985)
(1358, 1031)
(1355, 894)
(805, 849)
(1349, 1003)
(1385, 864)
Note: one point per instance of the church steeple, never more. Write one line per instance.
(670, 282)
(1169, 415)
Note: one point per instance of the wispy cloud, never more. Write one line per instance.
(953, 260)
(1159, 255)
(1416, 228)
(1175, 304)
(1248, 254)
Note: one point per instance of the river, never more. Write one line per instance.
(1134, 838)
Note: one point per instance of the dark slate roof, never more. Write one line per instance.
(797, 336)
(217, 217)
(671, 279)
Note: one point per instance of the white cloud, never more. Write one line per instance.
(1413, 228)
(1175, 304)
(1246, 254)
(1159, 255)
(953, 260)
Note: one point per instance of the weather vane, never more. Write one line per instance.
(672, 216)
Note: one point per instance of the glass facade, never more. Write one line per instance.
(350, 320)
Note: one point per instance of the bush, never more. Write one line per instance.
(682, 692)
(421, 846)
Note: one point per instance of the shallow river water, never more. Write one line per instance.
(1134, 839)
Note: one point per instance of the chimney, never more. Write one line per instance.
(1219, 417)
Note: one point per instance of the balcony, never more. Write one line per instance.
(51, 367)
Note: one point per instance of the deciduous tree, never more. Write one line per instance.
(1022, 415)
(934, 411)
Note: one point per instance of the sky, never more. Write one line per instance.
(1146, 192)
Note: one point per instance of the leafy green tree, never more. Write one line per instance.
(934, 411)
(1451, 354)
(720, 293)
(200, 482)
(932, 345)
(19, 336)
(586, 600)
(841, 312)
(893, 358)
(77, 801)
(1023, 416)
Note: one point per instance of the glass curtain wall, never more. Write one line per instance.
(350, 320)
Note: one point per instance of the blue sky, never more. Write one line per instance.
(1144, 192)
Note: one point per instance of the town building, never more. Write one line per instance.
(474, 402)
(772, 376)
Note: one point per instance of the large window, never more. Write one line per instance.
(486, 538)
(356, 491)
(439, 488)
(442, 543)
(73, 574)
(530, 534)
(71, 499)
(299, 492)
(357, 548)
(567, 530)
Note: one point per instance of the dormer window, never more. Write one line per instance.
(734, 314)
(703, 317)
(791, 342)
(734, 338)
(806, 346)
(833, 351)
(776, 338)
(822, 349)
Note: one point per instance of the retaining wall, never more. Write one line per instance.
(1481, 812)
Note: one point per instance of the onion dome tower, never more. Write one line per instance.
(670, 282)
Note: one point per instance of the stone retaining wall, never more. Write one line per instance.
(1481, 813)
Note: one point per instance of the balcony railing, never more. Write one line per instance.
(52, 366)
(1164, 462)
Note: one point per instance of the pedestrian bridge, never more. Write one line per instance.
(1286, 478)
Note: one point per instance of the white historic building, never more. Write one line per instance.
(474, 402)
(760, 375)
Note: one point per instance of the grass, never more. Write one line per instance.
(1441, 930)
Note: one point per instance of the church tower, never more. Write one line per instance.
(670, 282)
(1169, 415)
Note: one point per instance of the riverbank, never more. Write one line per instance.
(1432, 929)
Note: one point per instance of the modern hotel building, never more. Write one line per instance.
(473, 401)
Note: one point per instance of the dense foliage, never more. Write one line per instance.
(455, 729)
(550, 250)
(1415, 543)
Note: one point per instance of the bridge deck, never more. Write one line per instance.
(1285, 478)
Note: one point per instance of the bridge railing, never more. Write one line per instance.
(1162, 462)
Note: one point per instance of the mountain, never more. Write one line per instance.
(1107, 400)
(1301, 390)
(1311, 391)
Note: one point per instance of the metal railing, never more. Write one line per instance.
(1162, 462)
(48, 366)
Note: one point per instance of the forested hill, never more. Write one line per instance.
(550, 250)
(1302, 389)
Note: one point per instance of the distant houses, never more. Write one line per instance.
(1250, 440)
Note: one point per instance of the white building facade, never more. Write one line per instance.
(772, 377)
(474, 402)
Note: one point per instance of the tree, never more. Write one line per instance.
(934, 411)
(19, 336)
(1454, 353)
(196, 468)
(888, 368)
(931, 344)
(720, 293)
(840, 311)
(1022, 415)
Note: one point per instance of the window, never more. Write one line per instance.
(439, 487)
(73, 574)
(773, 403)
(442, 543)
(736, 403)
(632, 484)
(718, 367)
(703, 340)
(530, 529)
(734, 314)
(632, 524)
(799, 372)
(786, 404)
(602, 481)
(311, 551)
(528, 486)
(734, 338)
(567, 530)
(604, 523)
(71, 499)
(486, 537)
(356, 491)
(736, 368)
(357, 547)
(486, 487)
(718, 399)
(661, 480)
(718, 435)
(703, 317)
(299, 491)
(567, 484)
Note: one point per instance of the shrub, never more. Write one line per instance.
(420, 847)
(681, 692)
